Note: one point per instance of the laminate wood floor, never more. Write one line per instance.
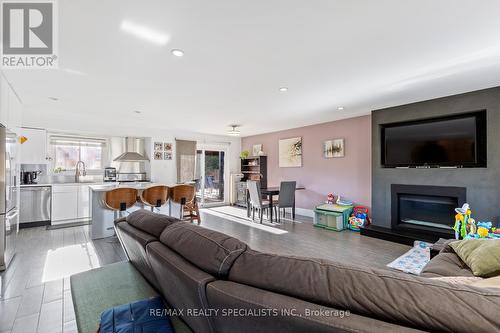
(35, 292)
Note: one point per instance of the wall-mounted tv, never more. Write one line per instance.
(452, 141)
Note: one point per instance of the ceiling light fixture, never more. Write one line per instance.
(283, 89)
(340, 108)
(55, 99)
(144, 32)
(234, 131)
(177, 52)
(137, 111)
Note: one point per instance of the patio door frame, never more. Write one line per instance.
(221, 147)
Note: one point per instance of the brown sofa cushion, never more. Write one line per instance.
(446, 264)
(395, 297)
(282, 313)
(209, 250)
(150, 222)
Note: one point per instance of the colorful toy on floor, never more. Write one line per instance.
(359, 218)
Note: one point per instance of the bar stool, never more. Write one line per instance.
(120, 199)
(185, 196)
(155, 196)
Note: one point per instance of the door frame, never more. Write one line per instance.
(223, 147)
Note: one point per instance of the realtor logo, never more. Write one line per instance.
(29, 34)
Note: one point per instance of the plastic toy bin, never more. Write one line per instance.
(328, 220)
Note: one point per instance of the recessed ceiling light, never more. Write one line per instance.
(55, 99)
(137, 111)
(177, 52)
(234, 131)
(340, 108)
(144, 32)
(283, 89)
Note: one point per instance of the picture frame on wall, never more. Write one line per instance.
(334, 148)
(290, 152)
(167, 156)
(256, 150)
(158, 155)
(158, 146)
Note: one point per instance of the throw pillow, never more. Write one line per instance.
(481, 255)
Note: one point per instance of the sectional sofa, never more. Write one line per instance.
(219, 284)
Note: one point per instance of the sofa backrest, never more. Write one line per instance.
(209, 250)
(391, 296)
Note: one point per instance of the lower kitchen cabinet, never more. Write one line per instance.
(70, 203)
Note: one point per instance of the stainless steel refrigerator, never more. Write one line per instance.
(9, 188)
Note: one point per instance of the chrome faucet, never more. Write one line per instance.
(80, 170)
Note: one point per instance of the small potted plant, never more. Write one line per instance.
(244, 154)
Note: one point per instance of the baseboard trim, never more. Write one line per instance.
(304, 212)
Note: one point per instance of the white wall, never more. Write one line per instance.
(161, 171)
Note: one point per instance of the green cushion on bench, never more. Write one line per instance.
(102, 288)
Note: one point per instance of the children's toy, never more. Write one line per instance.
(462, 220)
(330, 198)
(343, 202)
(359, 218)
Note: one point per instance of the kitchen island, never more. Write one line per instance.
(103, 218)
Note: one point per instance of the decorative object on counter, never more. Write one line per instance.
(290, 153)
(244, 154)
(333, 148)
(359, 218)
(158, 155)
(257, 150)
(158, 146)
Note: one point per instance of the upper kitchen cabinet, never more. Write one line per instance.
(34, 150)
(11, 108)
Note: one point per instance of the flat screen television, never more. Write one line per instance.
(453, 141)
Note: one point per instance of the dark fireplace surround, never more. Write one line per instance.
(420, 212)
(425, 209)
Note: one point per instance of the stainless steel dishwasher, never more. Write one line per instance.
(35, 206)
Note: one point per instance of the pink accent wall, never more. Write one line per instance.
(349, 176)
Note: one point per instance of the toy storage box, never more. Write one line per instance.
(328, 220)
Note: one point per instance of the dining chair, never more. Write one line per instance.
(286, 198)
(155, 197)
(256, 202)
(185, 196)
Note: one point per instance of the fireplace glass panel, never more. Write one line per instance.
(426, 210)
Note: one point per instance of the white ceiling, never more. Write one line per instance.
(359, 54)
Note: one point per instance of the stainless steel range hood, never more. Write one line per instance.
(131, 154)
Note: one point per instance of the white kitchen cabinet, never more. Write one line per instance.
(83, 202)
(34, 150)
(70, 203)
(64, 203)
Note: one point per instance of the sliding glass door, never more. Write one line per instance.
(210, 176)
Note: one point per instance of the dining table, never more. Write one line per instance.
(270, 192)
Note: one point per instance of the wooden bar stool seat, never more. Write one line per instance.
(120, 199)
(184, 195)
(155, 196)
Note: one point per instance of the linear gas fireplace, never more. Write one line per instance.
(429, 209)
